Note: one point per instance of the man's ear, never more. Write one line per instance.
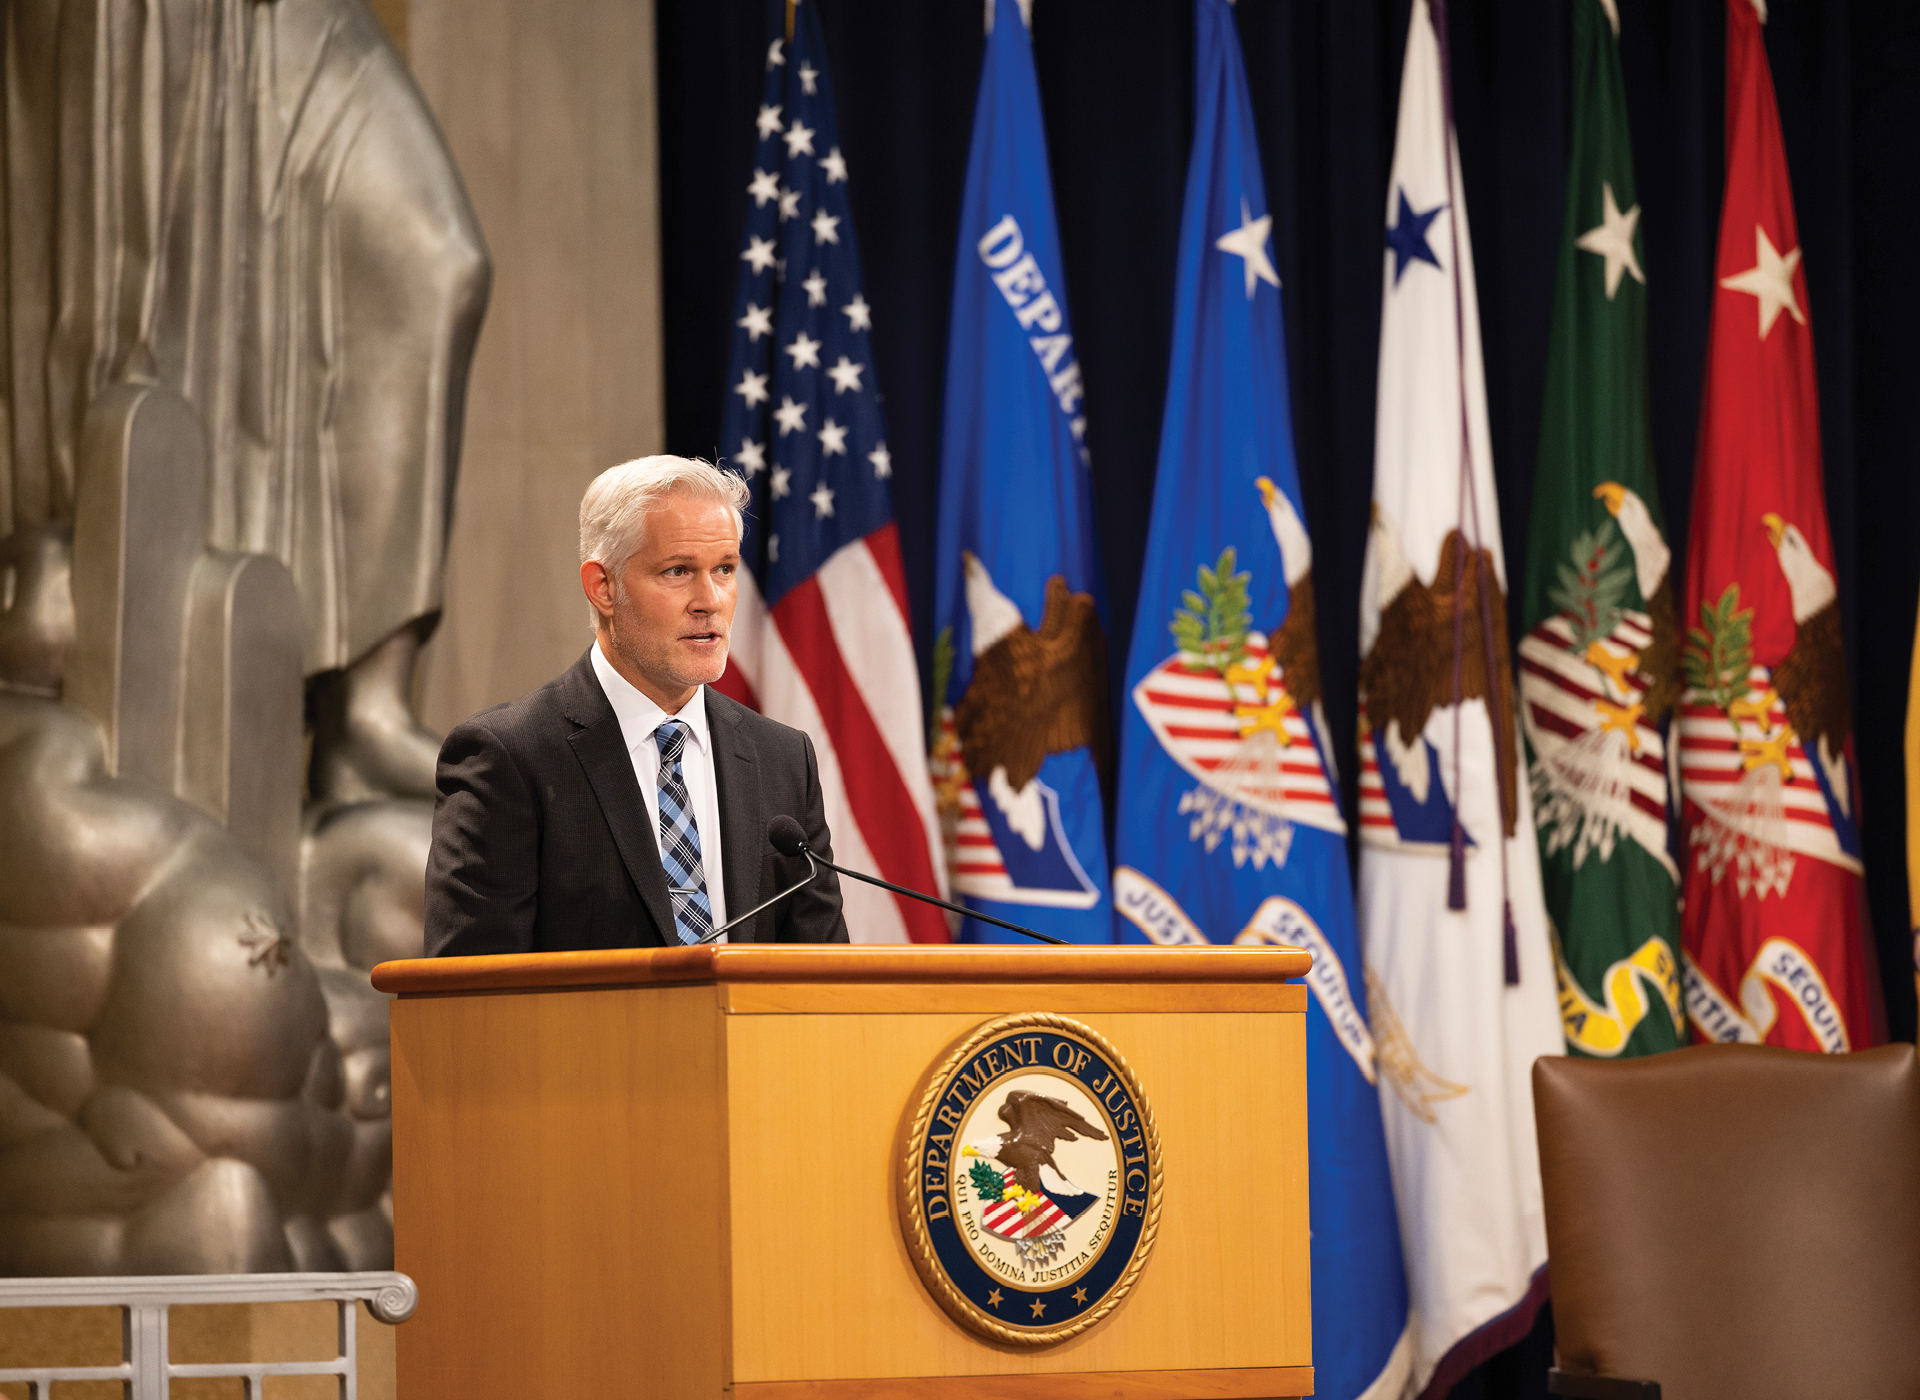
(597, 583)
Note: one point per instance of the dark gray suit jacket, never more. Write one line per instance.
(541, 840)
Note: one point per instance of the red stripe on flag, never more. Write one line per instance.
(884, 545)
(1648, 805)
(1556, 723)
(733, 685)
(1190, 702)
(875, 790)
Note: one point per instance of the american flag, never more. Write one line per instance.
(821, 639)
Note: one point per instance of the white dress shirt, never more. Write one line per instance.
(639, 717)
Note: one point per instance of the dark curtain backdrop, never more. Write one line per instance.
(1117, 82)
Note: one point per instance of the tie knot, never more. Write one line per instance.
(671, 737)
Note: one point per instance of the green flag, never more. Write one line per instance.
(1598, 664)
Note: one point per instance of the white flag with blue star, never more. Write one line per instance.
(1229, 827)
(1460, 974)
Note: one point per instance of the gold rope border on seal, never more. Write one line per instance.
(912, 1211)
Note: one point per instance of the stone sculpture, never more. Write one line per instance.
(241, 289)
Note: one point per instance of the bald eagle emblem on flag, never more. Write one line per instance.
(1035, 692)
(1598, 681)
(1239, 709)
(1763, 750)
(1030, 1186)
(1430, 651)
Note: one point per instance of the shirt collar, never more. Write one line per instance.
(637, 713)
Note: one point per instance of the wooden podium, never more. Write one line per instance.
(672, 1173)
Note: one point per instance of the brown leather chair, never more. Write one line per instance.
(1733, 1221)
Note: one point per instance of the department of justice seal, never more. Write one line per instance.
(1030, 1180)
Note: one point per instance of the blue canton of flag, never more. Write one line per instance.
(821, 638)
(1229, 825)
(1020, 658)
(803, 416)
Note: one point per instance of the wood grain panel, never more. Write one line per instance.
(1249, 1384)
(629, 1191)
(841, 964)
(824, 1288)
(559, 1194)
(985, 998)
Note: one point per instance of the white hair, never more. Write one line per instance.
(613, 512)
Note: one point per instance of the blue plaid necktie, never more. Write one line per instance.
(680, 839)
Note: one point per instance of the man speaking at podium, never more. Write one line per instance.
(625, 804)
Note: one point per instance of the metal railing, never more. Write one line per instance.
(144, 1367)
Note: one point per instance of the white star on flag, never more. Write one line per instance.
(1613, 240)
(820, 528)
(1771, 280)
(759, 253)
(774, 57)
(752, 387)
(1249, 244)
(757, 322)
(846, 375)
(805, 352)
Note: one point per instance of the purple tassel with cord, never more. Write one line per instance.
(1509, 944)
(1457, 876)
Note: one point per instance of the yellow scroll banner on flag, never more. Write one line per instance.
(1633, 986)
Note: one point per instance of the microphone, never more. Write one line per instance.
(788, 839)
(777, 833)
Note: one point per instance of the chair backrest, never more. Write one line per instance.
(1736, 1220)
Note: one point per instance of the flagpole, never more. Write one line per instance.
(1469, 507)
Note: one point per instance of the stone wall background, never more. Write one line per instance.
(551, 114)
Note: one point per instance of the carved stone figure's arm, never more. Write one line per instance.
(483, 872)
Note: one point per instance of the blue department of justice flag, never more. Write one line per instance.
(1020, 672)
(1229, 825)
(821, 637)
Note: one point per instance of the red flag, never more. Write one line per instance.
(1774, 913)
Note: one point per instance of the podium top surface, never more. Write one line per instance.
(830, 963)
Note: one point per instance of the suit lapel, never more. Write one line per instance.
(742, 825)
(602, 752)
